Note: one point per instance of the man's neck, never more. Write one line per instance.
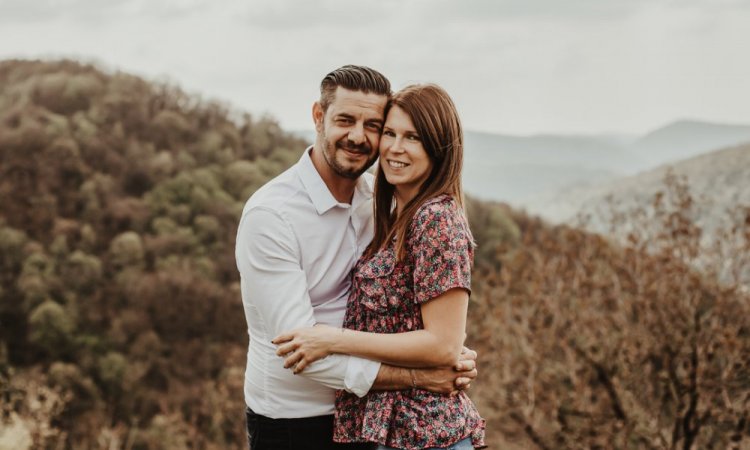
(341, 188)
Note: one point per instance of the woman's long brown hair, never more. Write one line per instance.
(436, 121)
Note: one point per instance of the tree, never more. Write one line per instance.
(126, 250)
(51, 329)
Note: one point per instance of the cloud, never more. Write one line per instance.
(491, 10)
(24, 11)
(282, 15)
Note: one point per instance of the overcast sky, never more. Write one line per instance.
(512, 66)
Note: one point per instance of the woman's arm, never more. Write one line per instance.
(438, 344)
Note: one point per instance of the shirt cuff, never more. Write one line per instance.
(360, 375)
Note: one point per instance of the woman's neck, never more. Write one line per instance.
(403, 197)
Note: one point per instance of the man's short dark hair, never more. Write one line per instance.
(354, 78)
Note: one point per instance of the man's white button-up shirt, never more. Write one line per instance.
(296, 246)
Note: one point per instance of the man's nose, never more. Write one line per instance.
(357, 134)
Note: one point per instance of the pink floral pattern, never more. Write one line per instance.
(385, 298)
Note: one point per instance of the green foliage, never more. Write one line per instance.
(82, 272)
(59, 247)
(51, 329)
(494, 231)
(35, 280)
(111, 369)
(65, 94)
(88, 238)
(162, 165)
(172, 122)
(241, 178)
(207, 228)
(126, 250)
(12, 242)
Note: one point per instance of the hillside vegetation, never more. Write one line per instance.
(121, 325)
(589, 345)
(716, 183)
(120, 299)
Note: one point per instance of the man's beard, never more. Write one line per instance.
(343, 144)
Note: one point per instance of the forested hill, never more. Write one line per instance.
(121, 323)
(119, 201)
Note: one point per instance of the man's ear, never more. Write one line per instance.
(318, 116)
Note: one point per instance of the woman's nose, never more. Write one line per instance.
(396, 145)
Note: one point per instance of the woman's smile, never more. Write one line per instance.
(396, 164)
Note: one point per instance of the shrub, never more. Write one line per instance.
(126, 250)
(51, 329)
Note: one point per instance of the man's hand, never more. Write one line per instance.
(449, 380)
(466, 368)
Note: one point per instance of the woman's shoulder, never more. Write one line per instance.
(440, 214)
(440, 207)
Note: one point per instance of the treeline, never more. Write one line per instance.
(121, 323)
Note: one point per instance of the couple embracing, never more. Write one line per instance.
(356, 287)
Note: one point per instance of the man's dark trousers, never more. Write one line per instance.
(308, 433)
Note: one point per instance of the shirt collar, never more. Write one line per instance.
(364, 190)
(316, 188)
(319, 193)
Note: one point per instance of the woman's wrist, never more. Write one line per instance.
(338, 341)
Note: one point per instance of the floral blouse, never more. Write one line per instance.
(385, 298)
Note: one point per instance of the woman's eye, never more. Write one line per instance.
(388, 133)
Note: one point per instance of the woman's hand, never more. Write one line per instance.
(303, 346)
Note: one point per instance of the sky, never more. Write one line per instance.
(511, 66)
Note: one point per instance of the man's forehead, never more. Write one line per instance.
(358, 100)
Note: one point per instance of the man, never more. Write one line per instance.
(297, 241)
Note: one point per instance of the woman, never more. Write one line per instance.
(410, 289)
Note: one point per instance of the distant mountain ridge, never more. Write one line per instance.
(718, 180)
(686, 138)
(517, 169)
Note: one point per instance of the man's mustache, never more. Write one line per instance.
(355, 148)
